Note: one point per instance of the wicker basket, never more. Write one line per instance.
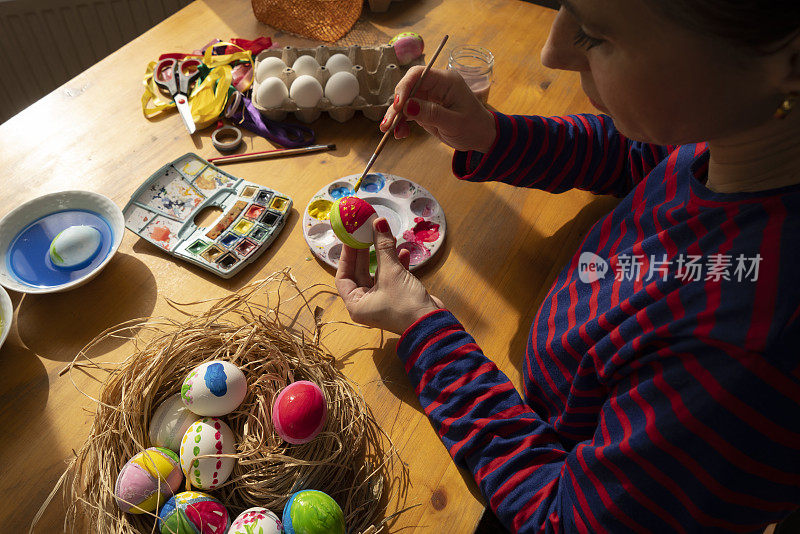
(324, 20)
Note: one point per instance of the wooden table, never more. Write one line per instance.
(503, 249)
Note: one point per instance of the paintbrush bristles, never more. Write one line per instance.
(400, 113)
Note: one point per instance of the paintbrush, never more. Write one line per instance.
(400, 114)
(277, 153)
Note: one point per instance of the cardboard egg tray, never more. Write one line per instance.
(375, 68)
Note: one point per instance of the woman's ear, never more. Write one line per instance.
(789, 59)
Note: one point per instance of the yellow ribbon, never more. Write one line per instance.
(207, 99)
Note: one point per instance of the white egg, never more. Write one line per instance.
(75, 246)
(269, 66)
(305, 65)
(342, 89)
(208, 436)
(170, 422)
(256, 518)
(272, 92)
(338, 63)
(214, 388)
(306, 91)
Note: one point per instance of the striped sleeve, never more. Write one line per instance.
(556, 154)
(690, 435)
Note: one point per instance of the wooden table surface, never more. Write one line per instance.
(503, 248)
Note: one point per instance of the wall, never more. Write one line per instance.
(45, 43)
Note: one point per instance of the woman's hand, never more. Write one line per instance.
(446, 107)
(394, 299)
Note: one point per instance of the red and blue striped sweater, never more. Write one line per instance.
(660, 403)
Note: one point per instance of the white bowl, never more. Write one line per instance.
(6, 314)
(13, 223)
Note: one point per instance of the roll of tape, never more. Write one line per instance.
(234, 100)
(227, 138)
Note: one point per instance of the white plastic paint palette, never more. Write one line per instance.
(414, 216)
(164, 208)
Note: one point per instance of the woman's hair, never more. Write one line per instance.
(761, 25)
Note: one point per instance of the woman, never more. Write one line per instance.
(660, 403)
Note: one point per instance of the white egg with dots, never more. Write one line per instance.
(268, 67)
(342, 89)
(214, 388)
(271, 93)
(306, 91)
(210, 437)
(305, 66)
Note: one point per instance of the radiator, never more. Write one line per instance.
(61, 38)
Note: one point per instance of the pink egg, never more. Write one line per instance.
(408, 46)
(299, 412)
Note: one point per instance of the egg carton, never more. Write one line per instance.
(375, 68)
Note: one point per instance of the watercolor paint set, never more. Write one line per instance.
(414, 216)
(164, 208)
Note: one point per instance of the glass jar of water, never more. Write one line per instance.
(476, 65)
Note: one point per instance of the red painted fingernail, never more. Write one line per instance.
(382, 226)
(396, 99)
(412, 110)
(383, 122)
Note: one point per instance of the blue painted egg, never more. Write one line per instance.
(214, 388)
(75, 246)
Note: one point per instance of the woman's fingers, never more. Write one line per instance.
(405, 258)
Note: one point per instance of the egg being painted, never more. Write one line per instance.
(256, 521)
(214, 388)
(408, 46)
(147, 480)
(312, 512)
(351, 219)
(170, 422)
(192, 512)
(299, 412)
(75, 246)
(209, 437)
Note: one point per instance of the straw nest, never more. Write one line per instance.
(348, 460)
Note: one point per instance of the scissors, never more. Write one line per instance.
(177, 77)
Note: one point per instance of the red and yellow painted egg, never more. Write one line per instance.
(351, 219)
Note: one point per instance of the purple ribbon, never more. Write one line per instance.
(242, 112)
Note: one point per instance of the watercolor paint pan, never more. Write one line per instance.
(415, 217)
(164, 209)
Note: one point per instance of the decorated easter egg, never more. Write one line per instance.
(75, 246)
(408, 46)
(312, 512)
(272, 92)
(170, 422)
(214, 388)
(338, 63)
(306, 91)
(351, 219)
(256, 521)
(268, 67)
(208, 436)
(305, 66)
(299, 412)
(148, 480)
(192, 512)
(342, 89)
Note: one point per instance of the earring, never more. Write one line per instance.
(786, 106)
